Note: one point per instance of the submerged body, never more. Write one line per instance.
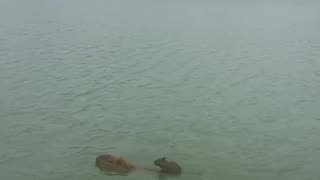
(114, 163)
(118, 164)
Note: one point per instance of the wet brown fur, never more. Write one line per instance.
(169, 167)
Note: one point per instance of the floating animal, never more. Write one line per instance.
(118, 164)
(169, 167)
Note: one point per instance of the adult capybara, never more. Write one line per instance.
(118, 164)
(169, 167)
(114, 164)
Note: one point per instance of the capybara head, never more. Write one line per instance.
(113, 163)
(161, 162)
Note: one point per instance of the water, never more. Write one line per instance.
(230, 90)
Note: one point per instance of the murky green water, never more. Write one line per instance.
(231, 91)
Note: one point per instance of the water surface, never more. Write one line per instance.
(230, 90)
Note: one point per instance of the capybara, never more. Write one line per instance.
(169, 167)
(118, 164)
(114, 163)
